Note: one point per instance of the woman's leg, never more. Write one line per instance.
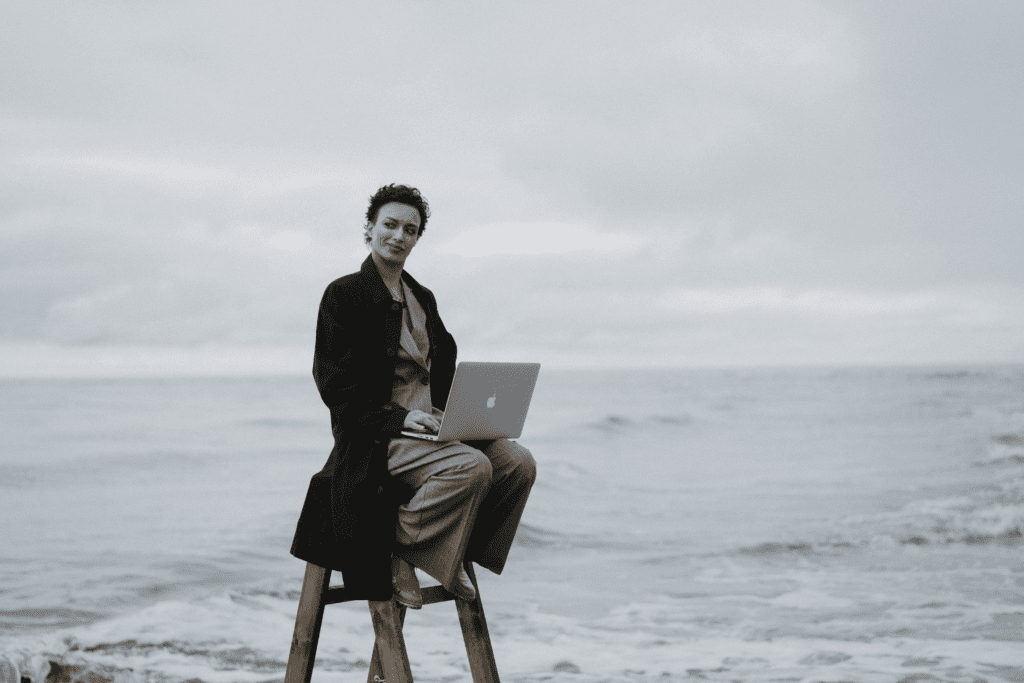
(434, 527)
(513, 473)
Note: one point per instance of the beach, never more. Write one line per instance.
(784, 524)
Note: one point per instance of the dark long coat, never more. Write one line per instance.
(348, 519)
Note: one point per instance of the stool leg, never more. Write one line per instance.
(389, 642)
(474, 632)
(376, 674)
(307, 624)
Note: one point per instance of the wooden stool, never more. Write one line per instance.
(390, 661)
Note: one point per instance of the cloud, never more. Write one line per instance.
(820, 302)
(163, 169)
(290, 241)
(538, 238)
(196, 173)
(746, 326)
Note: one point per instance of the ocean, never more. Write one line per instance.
(816, 524)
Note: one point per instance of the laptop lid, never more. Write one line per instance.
(488, 401)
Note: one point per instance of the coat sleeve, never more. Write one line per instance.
(342, 375)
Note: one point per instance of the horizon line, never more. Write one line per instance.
(38, 360)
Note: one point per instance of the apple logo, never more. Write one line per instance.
(491, 400)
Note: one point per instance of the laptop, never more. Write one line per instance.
(487, 401)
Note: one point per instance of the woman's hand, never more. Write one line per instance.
(420, 421)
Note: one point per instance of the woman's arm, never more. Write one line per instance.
(344, 377)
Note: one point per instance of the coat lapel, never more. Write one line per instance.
(424, 302)
(398, 335)
(410, 346)
(382, 304)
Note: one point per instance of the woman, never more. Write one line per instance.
(384, 503)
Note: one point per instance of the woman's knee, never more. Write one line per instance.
(479, 470)
(527, 466)
(524, 467)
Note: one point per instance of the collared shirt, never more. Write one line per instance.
(410, 387)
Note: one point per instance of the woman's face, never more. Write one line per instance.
(395, 232)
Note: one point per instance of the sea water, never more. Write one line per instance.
(735, 525)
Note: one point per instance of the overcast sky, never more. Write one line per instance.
(611, 183)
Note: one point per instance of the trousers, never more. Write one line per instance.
(468, 500)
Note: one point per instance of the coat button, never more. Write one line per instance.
(380, 490)
(424, 380)
(377, 441)
(396, 306)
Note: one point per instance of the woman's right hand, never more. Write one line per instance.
(419, 421)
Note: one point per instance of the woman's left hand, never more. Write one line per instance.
(422, 422)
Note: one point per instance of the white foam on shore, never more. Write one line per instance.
(244, 638)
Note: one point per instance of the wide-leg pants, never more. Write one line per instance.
(468, 500)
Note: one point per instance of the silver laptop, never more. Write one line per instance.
(487, 401)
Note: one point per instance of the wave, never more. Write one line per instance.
(620, 423)
(99, 466)
(1004, 449)
(773, 548)
(932, 522)
(236, 636)
(246, 661)
(1010, 459)
(957, 375)
(230, 658)
(35, 617)
(20, 476)
(680, 420)
(613, 423)
(956, 521)
(531, 536)
(278, 594)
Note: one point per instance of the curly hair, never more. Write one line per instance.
(403, 194)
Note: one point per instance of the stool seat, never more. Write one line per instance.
(390, 661)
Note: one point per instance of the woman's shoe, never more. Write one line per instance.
(462, 587)
(407, 586)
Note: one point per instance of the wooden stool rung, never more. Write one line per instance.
(435, 594)
(390, 661)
